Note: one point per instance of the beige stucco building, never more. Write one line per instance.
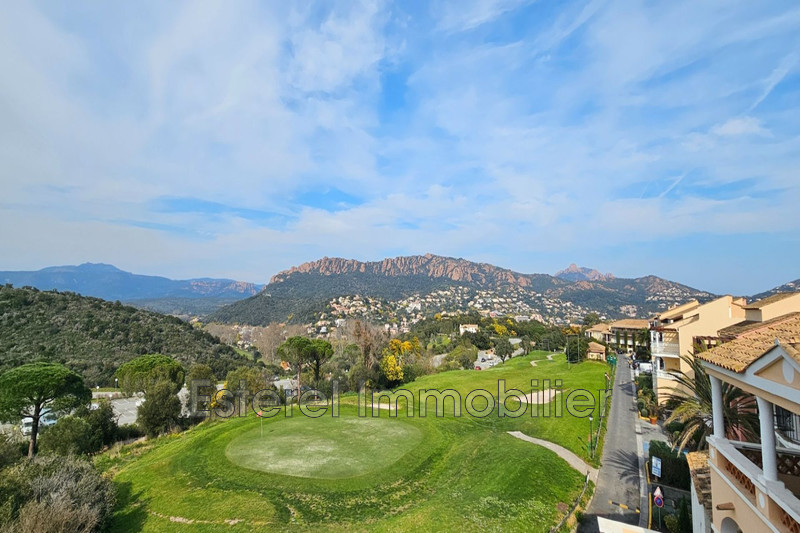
(599, 332)
(596, 351)
(755, 486)
(623, 332)
(673, 334)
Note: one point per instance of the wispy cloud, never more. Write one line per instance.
(530, 134)
(775, 77)
(740, 126)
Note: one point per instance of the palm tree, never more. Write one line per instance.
(692, 403)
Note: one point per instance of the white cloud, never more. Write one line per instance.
(254, 104)
(468, 14)
(740, 126)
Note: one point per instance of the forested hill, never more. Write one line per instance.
(94, 337)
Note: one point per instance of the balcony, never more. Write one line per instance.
(671, 375)
(665, 349)
(773, 502)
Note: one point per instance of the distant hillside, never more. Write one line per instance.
(154, 292)
(576, 273)
(419, 285)
(94, 337)
(792, 286)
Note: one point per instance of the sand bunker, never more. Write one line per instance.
(538, 397)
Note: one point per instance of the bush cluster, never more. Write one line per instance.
(674, 467)
(54, 494)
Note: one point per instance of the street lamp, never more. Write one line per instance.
(590, 435)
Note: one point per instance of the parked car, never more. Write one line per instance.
(46, 420)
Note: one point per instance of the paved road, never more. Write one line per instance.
(126, 408)
(618, 480)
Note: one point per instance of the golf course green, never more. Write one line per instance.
(324, 447)
(356, 473)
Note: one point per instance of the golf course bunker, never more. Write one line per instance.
(539, 397)
(326, 447)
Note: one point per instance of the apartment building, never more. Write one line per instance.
(624, 333)
(674, 332)
(599, 332)
(755, 486)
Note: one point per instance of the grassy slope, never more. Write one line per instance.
(465, 474)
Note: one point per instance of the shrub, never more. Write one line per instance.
(673, 430)
(52, 494)
(10, 451)
(414, 370)
(70, 436)
(674, 468)
(129, 431)
(103, 422)
(161, 410)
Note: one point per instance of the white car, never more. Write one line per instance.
(45, 420)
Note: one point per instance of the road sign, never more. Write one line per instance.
(657, 493)
(659, 501)
(656, 467)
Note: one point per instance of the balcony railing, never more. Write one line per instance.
(741, 463)
(665, 348)
(667, 374)
(788, 460)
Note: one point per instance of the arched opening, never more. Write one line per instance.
(729, 525)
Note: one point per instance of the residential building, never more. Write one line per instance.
(700, 491)
(599, 332)
(757, 313)
(674, 332)
(624, 332)
(756, 486)
(596, 351)
(467, 328)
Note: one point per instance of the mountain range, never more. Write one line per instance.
(576, 273)
(192, 296)
(405, 287)
(390, 290)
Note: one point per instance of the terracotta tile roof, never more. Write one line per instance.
(748, 347)
(600, 328)
(701, 478)
(777, 297)
(631, 323)
(740, 328)
(596, 347)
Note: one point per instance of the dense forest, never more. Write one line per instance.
(93, 336)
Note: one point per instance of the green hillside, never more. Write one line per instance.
(94, 337)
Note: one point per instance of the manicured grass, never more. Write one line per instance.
(324, 447)
(356, 473)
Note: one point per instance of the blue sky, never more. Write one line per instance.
(238, 139)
